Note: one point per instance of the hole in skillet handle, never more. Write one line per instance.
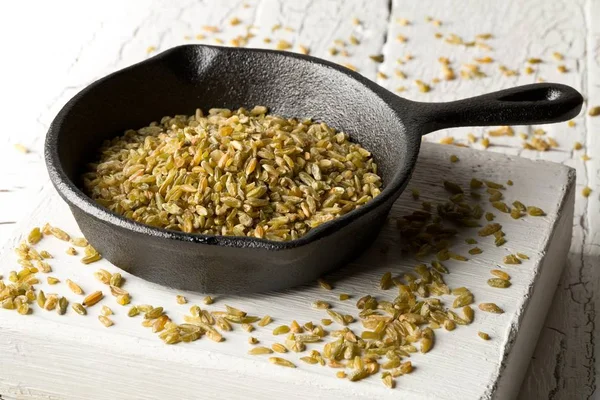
(536, 94)
(540, 103)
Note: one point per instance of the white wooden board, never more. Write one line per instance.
(78, 42)
(139, 366)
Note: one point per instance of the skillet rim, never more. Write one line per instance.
(74, 196)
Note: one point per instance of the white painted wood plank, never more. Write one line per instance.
(112, 34)
(141, 365)
(565, 363)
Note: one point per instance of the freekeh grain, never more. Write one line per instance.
(240, 173)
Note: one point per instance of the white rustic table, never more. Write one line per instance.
(53, 49)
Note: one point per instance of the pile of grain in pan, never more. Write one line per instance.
(241, 173)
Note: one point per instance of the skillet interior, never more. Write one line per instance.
(188, 77)
(184, 78)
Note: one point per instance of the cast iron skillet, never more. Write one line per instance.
(184, 78)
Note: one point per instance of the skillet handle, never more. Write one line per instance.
(539, 103)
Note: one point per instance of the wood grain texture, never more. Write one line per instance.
(493, 368)
(112, 34)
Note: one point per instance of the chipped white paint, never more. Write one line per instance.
(492, 368)
(83, 41)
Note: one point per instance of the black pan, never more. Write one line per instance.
(184, 78)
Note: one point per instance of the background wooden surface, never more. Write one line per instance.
(52, 50)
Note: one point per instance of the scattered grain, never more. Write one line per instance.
(281, 330)
(154, 313)
(422, 86)
(59, 234)
(485, 60)
(133, 311)
(500, 274)
(281, 362)
(78, 308)
(475, 250)
(385, 282)
(107, 322)
(283, 45)
(463, 300)
(52, 280)
(498, 283)
(34, 236)
(45, 255)
(447, 140)
(93, 298)
(321, 305)
(400, 74)
(279, 348)
(116, 280)
(388, 381)
(75, 288)
(266, 320)
(337, 317)
(468, 313)
(489, 229)
(535, 211)
(303, 49)
(91, 258)
(117, 291)
(123, 299)
(21, 148)
(491, 308)
(511, 259)
(103, 276)
(63, 303)
(324, 284)
(483, 335)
